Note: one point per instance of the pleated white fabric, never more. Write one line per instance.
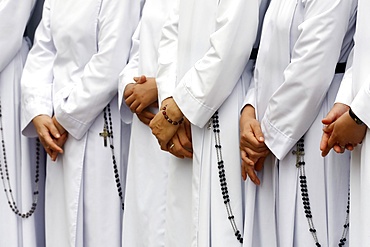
(295, 87)
(20, 151)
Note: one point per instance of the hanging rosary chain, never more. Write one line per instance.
(300, 164)
(108, 124)
(222, 176)
(6, 181)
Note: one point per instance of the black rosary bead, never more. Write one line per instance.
(108, 123)
(305, 197)
(7, 185)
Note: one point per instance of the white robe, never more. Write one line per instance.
(295, 87)
(72, 72)
(203, 52)
(356, 93)
(20, 151)
(146, 185)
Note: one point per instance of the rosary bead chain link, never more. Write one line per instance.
(222, 176)
(6, 181)
(300, 164)
(108, 125)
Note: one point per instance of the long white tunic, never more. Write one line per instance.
(356, 93)
(146, 185)
(72, 72)
(295, 87)
(20, 151)
(203, 52)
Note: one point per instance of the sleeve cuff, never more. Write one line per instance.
(28, 129)
(278, 143)
(125, 112)
(165, 88)
(359, 106)
(74, 127)
(250, 99)
(194, 111)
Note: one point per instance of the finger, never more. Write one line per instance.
(143, 119)
(129, 90)
(49, 143)
(148, 114)
(248, 140)
(248, 160)
(259, 165)
(350, 147)
(154, 104)
(140, 108)
(60, 142)
(129, 100)
(328, 128)
(329, 118)
(338, 149)
(134, 106)
(245, 158)
(171, 149)
(53, 130)
(163, 145)
(187, 126)
(244, 171)
(184, 139)
(252, 175)
(324, 141)
(140, 79)
(48, 151)
(178, 149)
(58, 126)
(54, 156)
(332, 140)
(257, 131)
(255, 156)
(145, 116)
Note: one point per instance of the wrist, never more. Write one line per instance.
(172, 114)
(249, 111)
(354, 117)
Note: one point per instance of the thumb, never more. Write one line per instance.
(140, 80)
(256, 128)
(330, 118)
(328, 128)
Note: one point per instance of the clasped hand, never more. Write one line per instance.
(51, 134)
(175, 139)
(253, 149)
(340, 131)
(140, 96)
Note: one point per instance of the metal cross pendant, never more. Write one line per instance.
(105, 134)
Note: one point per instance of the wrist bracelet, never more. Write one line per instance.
(354, 117)
(169, 119)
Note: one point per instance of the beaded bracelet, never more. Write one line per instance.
(169, 119)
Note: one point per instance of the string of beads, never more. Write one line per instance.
(6, 180)
(300, 164)
(108, 124)
(222, 176)
(164, 113)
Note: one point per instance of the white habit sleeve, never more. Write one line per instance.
(99, 82)
(205, 87)
(37, 76)
(294, 106)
